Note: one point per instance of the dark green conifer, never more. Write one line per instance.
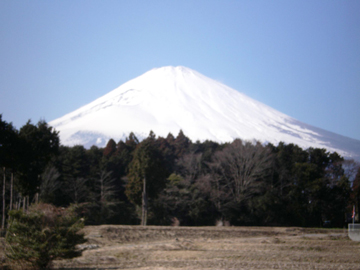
(41, 235)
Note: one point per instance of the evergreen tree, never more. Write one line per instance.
(124, 154)
(39, 144)
(184, 202)
(9, 145)
(74, 162)
(9, 156)
(168, 152)
(41, 235)
(132, 141)
(181, 144)
(94, 157)
(147, 175)
(170, 138)
(110, 148)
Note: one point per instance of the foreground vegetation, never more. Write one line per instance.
(158, 247)
(42, 234)
(164, 247)
(172, 180)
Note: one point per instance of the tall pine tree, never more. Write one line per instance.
(147, 175)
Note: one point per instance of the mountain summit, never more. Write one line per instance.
(168, 99)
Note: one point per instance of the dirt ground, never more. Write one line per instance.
(154, 247)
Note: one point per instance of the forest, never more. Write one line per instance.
(174, 181)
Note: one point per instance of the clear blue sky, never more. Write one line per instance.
(299, 57)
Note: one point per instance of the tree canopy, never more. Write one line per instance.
(193, 183)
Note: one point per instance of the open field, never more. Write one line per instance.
(152, 247)
(155, 247)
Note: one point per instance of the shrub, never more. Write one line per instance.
(43, 234)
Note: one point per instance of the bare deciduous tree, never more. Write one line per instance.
(77, 189)
(190, 166)
(107, 186)
(50, 183)
(107, 192)
(237, 172)
(350, 168)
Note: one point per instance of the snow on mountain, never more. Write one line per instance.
(168, 99)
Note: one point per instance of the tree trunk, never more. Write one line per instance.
(24, 203)
(102, 195)
(19, 205)
(3, 213)
(11, 190)
(144, 205)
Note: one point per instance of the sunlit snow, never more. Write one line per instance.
(168, 99)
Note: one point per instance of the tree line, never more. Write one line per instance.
(173, 180)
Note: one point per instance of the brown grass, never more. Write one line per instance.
(152, 247)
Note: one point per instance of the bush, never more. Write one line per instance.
(43, 234)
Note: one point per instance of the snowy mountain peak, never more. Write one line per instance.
(168, 99)
(172, 69)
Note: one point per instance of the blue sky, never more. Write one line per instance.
(299, 57)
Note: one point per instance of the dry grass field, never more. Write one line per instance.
(154, 247)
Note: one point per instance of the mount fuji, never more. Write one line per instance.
(169, 99)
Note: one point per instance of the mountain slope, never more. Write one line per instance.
(172, 98)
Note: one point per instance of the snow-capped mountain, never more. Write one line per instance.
(168, 99)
